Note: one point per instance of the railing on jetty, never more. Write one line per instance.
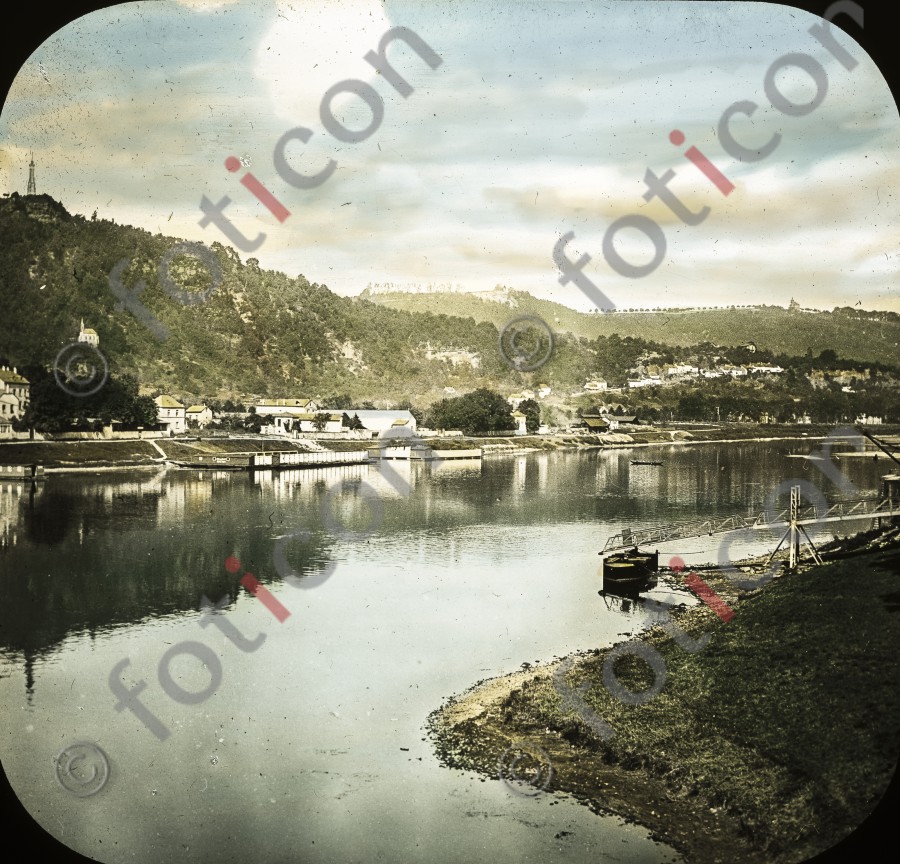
(426, 454)
(863, 508)
(294, 459)
(21, 472)
(273, 461)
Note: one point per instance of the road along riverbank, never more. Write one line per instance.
(769, 745)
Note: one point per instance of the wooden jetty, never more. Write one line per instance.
(22, 472)
(426, 454)
(884, 510)
(274, 460)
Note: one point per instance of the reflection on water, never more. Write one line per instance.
(470, 569)
(102, 551)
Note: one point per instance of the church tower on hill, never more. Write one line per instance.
(89, 336)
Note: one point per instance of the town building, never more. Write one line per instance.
(598, 424)
(170, 414)
(274, 407)
(651, 381)
(381, 421)
(302, 421)
(198, 415)
(15, 396)
(516, 399)
(521, 420)
(595, 386)
(88, 336)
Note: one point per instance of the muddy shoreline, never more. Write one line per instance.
(665, 771)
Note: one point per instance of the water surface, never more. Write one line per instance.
(312, 746)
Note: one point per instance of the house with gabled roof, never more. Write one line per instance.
(198, 415)
(170, 414)
(302, 421)
(274, 407)
(15, 395)
(380, 421)
(521, 419)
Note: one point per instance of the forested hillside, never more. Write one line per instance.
(853, 334)
(262, 333)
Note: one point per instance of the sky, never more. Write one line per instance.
(542, 118)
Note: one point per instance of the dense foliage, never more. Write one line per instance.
(264, 334)
(53, 410)
(856, 334)
(532, 412)
(474, 413)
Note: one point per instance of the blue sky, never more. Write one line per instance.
(542, 119)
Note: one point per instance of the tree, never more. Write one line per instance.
(693, 406)
(532, 412)
(51, 409)
(255, 422)
(474, 413)
(320, 421)
(339, 403)
(418, 413)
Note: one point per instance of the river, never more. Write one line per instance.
(305, 740)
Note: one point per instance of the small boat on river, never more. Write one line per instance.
(640, 462)
(630, 571)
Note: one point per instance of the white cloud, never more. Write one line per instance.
(312, 46)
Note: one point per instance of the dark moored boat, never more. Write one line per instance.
(639, 462)
(629, 571)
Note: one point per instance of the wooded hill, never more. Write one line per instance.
(852, 333)
(262, 333)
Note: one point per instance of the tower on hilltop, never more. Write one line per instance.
(32, 188)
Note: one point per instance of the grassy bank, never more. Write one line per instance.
(128, 453)
(770, 744)
(131, 453)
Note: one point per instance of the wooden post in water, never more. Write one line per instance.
(795, 534)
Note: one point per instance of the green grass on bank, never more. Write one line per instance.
(62, 454)
(74, 454)
(789, 719)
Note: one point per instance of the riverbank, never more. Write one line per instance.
(90, 455)
(769, 745)
(682, 435)
(67, 456)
